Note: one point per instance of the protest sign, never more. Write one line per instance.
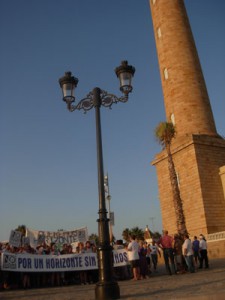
(58, 237)
(15, 238)
(57, 263)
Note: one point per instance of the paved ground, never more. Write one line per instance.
(203, 285)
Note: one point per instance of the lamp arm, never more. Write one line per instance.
(86, 104)
(107, 100)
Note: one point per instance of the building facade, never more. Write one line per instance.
(198, 150)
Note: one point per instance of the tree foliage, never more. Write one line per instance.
(156, 235)
(138, 232)
(22, 229)
(164, 133)
(126, 234)
(94, 237)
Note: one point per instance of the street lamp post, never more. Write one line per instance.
(108, 198)
(106, 287)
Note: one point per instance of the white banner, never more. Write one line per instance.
(57, 263)
(58, 237)
(111, 218)
(15, 238)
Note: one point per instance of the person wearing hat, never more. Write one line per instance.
(203, 252)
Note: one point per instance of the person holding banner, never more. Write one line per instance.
(25, 275)
(83, 274)
(6, 276)
(89, 249)
(55, 276)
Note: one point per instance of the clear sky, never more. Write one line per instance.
(48, 167)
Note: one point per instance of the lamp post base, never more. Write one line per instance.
(107, 291)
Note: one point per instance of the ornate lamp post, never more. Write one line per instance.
(108, 198)
(107, 287)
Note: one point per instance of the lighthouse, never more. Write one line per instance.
(198, 150)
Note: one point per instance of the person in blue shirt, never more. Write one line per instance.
(195, 245)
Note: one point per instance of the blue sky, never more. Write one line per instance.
(48, 167)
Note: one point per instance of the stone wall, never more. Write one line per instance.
(216, 245)
(197, 162)
(222, 176)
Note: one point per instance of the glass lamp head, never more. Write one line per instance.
(125, 73)
(68, 84)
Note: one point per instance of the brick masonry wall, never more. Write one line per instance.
(222, 176)
(197, 162)
(216, 249)
(211, 157)
(184, 89)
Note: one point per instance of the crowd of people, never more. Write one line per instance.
(180, 255)
(25, 280)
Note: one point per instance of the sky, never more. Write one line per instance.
(48, 161)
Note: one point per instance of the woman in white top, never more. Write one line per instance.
(203, 252)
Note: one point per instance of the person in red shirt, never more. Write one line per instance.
(166, 244)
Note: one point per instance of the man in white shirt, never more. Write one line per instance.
(133, 257)
(188, 253)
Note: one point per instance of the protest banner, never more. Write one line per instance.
(25, 241)
(37, 237)
(57, 263)
(15, 238)
(112, 218)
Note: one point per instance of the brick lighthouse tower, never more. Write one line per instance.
(198, 151)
